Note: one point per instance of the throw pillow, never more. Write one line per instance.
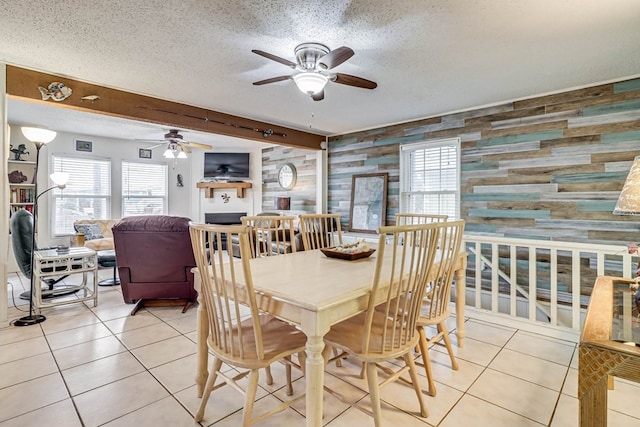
(90, 231)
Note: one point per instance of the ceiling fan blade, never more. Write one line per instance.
(346, 79)
(272, 80)
(335, 57)
(184, 148)
(275, 58)
(151, 147)
(318, 96)
(198, 145)
(149, 140)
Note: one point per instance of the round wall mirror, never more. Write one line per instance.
(287, 176)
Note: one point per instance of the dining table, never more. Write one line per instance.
(313, 291)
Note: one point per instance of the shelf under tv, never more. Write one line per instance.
(209, 187)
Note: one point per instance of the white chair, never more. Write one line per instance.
(414, 218)
(435, 306)
(247, 345)
(389, 331)
(320, 230)
(270, 235)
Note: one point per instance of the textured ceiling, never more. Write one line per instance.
(428, 56)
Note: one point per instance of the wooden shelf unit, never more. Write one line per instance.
(21, 195)
(209, 187)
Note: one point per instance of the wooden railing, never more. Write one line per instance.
(543, 286)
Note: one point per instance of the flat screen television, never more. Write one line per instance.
(227, 165)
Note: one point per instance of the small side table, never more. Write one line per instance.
(608, 347)
(77, 260)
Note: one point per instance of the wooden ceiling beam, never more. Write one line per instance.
(23, 83)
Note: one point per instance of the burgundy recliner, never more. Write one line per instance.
(155, 258)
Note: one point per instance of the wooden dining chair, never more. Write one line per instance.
(248, 344)
(270, 235)
(387, 331)
(414, 218)
(435, 307)
(320, 230)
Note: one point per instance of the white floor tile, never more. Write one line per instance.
(78, 335)
(27, 396)
(161, 352)
(119, 398)
(27, 369)
(22, 349)
(62, 412)
(103, 371)
(529, 368)
(546, 348)
(147, 335)
(17, 333)
(128, 323)
(87, 352)
(522, 397)
(471, 411)
(165, 412)
(178, 374)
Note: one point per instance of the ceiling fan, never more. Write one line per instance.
(177, 147)
(313, 60)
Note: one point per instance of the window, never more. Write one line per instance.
(429, 178)
(87, 195)
(144, 189)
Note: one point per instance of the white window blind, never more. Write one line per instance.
(430, 174)
(144, 189)
(87, 195)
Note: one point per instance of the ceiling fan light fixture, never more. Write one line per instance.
(168, 154)
(182, 155)
(310, 83)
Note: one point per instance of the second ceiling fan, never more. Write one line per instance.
(177, 146)
(312, 61)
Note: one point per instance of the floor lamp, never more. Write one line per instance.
(39, 137)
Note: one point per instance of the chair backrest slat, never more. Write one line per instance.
(320, 230)
(404, 270)
(225, 280)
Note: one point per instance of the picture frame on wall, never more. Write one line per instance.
(86, 146)
(144, 153)
(368, 202)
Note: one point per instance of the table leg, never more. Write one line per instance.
(461, 296)
(202, 371)
(592, 386)
(315, 380)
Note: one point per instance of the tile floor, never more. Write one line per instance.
(95, 366)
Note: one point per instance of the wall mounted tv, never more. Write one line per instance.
(227, 165)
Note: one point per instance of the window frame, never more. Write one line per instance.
(406, 172)
(124, 192)
(61, 194)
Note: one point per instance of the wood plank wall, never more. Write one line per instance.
(303, 194)
(549, 167)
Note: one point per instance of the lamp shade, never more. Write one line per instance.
(283, 203)
(309, 82)
(629, 199)
(35, 135)
(60, 178)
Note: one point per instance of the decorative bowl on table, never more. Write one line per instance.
(349, 252)
(345, 255)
